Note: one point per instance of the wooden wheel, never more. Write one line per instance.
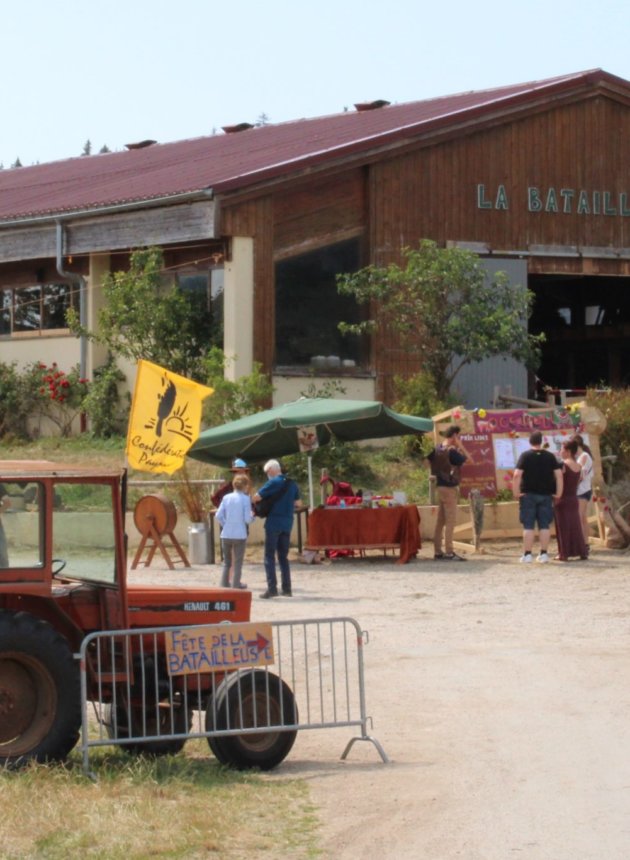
(156, 511)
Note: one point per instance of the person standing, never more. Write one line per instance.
(234, 516)
(537, 480)
(585, 487)
(278, 527)
(569, 532)
(446, 461)
(238, 467)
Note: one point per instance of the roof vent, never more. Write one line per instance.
(141, 144)
(241, 126)
(378, 103)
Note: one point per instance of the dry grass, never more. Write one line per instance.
(184, 806)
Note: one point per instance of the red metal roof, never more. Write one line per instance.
(227, 161)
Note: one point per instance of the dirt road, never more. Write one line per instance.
(501, 693)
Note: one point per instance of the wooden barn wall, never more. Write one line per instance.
(432, 193)
(290, 223)
(255, 218)
(319, 211)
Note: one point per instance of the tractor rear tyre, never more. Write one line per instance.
(255, 698)
(40, 692)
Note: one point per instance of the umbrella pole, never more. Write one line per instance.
(311, 502)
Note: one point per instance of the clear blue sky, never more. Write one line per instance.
(125, 70)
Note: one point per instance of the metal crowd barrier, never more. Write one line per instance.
(148, 689)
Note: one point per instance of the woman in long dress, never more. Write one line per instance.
(569, 534)
(585, 487)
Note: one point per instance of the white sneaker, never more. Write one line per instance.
(543, 558)
(526, 558)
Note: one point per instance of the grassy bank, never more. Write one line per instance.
(184, 806)
(381, 469)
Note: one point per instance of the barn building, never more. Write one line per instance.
(534, 177)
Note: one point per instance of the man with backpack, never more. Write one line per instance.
(446, 461)
(284, 494)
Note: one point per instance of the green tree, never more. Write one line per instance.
(232, 400)
(87, 147)
(145, 316)
(446, 310)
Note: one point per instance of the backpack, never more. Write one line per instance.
(264, 507)
(442, 467)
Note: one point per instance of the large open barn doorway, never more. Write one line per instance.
(587, 324)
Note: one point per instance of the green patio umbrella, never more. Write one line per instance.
(302, 425)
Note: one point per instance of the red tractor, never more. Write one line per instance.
(63, 575)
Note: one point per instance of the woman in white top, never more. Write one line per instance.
(585, 487)
(234, 516)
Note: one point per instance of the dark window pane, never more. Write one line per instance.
(57, 298)
(5, 311)
(309, 308)
(204, 291)
(27, 314)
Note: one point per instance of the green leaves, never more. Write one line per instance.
(446, 309)
(145, 315)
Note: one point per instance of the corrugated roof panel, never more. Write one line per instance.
(224, 161)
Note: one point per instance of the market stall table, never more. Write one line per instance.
(365, 528)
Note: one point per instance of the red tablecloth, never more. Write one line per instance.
(366, 528)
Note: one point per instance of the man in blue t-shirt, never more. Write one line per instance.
(278, 527)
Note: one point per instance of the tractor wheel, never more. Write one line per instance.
(150, 726)
(256, 698)
(40, 693)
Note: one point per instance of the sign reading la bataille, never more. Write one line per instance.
(165, 419)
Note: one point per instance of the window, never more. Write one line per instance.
(21, 532)
(309, 308)
(37, 308)
(204, 290)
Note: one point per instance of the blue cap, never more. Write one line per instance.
(239, 464)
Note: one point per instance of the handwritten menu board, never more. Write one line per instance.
(497, 439)
(479, 472)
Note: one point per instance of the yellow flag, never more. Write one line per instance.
(165, 419)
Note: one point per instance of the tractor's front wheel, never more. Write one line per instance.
(40, 695)
(252, 700)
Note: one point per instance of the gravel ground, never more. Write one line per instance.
(499, 691)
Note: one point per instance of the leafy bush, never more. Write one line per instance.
(102, 403)
(232, 400)
(615, 406)
(343, 461)
(61, 394)
(417, 395)
(18, 399)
